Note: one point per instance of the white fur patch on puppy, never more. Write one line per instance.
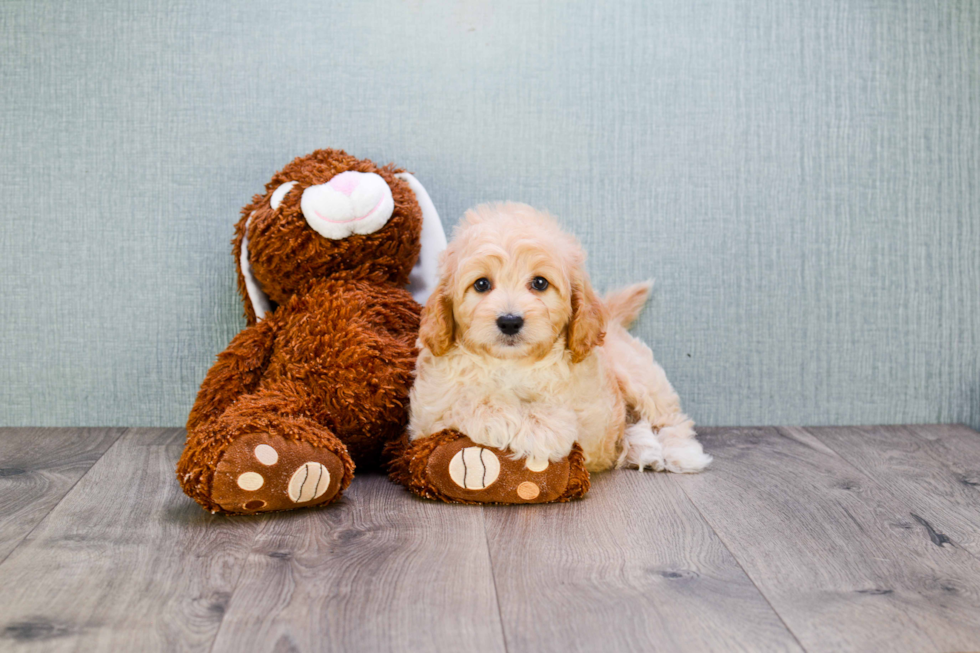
(641, 448)
(350, 203)
(682, 453)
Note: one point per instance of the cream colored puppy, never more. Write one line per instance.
(518, 352)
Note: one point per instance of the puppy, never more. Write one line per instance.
(518, 353)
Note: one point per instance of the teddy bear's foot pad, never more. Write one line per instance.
(466, 472)
(262, 472)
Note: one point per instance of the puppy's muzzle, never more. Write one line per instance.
(510, 324)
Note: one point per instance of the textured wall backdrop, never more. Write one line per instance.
(801, 178)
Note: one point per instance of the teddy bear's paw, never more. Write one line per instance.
(463, 471)
(260, 472)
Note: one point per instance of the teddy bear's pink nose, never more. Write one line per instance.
(346, 182)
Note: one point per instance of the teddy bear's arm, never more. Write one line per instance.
(237, 371)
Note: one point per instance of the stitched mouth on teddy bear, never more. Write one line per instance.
(363, 217)
(350, 203)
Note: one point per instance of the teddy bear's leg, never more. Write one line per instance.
(238, 371)
(262, 455)
(448, 466)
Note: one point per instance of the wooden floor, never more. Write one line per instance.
(828, 539)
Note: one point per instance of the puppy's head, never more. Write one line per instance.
(512, 284)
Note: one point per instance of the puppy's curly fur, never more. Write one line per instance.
(571, 373)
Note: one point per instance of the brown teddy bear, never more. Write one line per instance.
(318, 381)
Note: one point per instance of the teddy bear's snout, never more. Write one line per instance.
(350, 203)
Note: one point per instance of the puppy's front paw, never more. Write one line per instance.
(451, 467)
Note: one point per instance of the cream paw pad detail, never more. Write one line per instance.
(261, 473)
(474, 468)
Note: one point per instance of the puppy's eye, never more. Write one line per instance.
(482, 284)
(539, 283)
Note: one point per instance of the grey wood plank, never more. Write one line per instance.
(839, 558)
(38, 466)
(125, 562)
(379, 571)
(632, 567)
(941, 491)
(956, 446)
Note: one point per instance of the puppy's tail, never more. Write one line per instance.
(625, 304)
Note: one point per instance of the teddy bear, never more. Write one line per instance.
(318, 382)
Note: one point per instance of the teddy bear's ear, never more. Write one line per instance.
(257, 302)
(425, 275)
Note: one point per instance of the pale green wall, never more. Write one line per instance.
(802, 178)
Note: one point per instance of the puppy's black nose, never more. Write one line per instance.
(510, 324)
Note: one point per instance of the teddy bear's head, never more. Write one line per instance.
(323, 215)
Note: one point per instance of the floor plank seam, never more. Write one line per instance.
(27, 535)
(493, 578)
(238, 581)
(934, 536)
(742, 567)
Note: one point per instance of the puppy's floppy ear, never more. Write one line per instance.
(437, 330)
(587, 327)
